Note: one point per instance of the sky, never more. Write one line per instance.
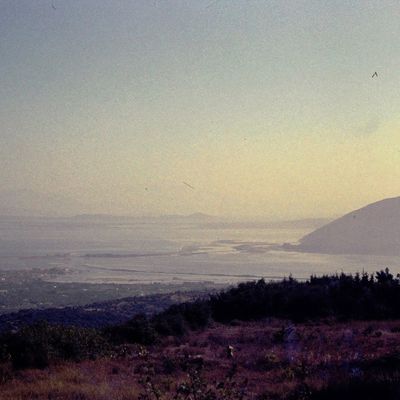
(265, 108)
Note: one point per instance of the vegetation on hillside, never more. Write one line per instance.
(344, 297)
(271, 360)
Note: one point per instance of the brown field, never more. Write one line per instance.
(271, 360)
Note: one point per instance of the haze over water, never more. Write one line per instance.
(143, 251)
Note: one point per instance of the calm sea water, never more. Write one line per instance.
(166, 251)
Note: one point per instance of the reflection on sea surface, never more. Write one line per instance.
(140, 251)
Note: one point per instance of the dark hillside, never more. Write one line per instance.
(97, 315)
(374, 229)
(342, 297)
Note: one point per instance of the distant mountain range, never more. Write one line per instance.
(196, 217)
(29, 203)
(210, 221)
(192, 217)
(374, 229)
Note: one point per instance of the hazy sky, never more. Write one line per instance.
(264, 107)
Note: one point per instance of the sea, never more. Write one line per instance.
(167, 250)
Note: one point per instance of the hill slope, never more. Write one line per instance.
(374, 229)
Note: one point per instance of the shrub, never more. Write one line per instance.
(138, 330)
(34, 346)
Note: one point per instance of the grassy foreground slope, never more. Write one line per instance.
(328, 338)
(272, 359)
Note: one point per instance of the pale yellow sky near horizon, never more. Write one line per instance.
(266, 108)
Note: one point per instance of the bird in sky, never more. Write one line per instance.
(190, 186)
(375, 74)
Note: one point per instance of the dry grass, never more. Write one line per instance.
(271, 358)
(83, 381)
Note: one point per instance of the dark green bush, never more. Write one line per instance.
(138, 330)
(34, 346)
(340, 296)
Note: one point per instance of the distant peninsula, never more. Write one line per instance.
(373, 229)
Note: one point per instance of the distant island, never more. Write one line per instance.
(373, 229)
